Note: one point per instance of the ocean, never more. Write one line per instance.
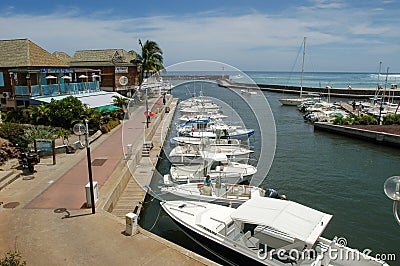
(323, 79)
(310, 79)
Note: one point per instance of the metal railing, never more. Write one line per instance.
(57, 89)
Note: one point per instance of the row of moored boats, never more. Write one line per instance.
(239, 222)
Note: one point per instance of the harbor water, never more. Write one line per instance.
(331, 173)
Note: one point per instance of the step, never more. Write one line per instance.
(9, 178)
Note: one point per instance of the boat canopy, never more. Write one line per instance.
(299, 221)
(215, 156)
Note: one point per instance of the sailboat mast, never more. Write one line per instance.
(378, 85)
(302, 67)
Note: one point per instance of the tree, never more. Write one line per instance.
(40, 114)
(149, 60)
(63, 113)
(120, 101)
(92, 115)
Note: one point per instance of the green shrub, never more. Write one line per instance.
(367, 120)
(19, 115)
(391, 119)
(15, 133)
(357, 120)
(107, 127)
(338, 121)
(12, 258)
(40, 132)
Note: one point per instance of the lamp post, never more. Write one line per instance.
(80, 129)
(147, 111)
(392, 190)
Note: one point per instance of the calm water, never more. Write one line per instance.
(334, 174)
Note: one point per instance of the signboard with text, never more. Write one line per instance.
(121, 69)
(44, 145)
(57, 70)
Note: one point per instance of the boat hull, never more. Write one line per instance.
(227, 254)
(292, 101)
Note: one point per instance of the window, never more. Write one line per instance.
(1, 79)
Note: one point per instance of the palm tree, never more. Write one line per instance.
(120, 101)
(149, 60)
(40, 114)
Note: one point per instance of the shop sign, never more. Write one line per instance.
(121, 69)
(57, 70)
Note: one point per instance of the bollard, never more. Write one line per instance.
(88, 194)
(131, 224)
(129, 151)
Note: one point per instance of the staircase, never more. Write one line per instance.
(7, 177)
(147, 146)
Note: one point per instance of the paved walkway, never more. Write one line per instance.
(41, 215)
(69, 191)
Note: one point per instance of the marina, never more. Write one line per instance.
(200, 133)
(290, 180)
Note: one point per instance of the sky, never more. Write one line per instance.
(342, 35)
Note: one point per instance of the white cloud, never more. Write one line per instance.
(328, 4)
(248, 41)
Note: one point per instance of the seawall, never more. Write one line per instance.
(359, 93)
(373, 136)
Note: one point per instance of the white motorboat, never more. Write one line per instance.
(193, 101)
(233, 194)
(196, 153)
(217, 167)
(205, 128)
(222, 133)
(212, 142)
(265, 231)
(201, 108)
(210, 115)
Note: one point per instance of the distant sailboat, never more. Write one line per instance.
(300, 100)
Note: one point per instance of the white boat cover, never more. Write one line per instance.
(299, 221)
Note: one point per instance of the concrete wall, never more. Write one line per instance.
(373, 136)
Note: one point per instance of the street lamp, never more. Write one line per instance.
(147, 111)
(81, 129)
(392, 190)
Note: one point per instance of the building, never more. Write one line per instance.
(27, 70)
(114, 66)
(30, 75)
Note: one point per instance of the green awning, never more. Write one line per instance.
(107, 108)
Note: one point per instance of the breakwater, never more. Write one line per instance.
(191, 77)
(359, 93)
